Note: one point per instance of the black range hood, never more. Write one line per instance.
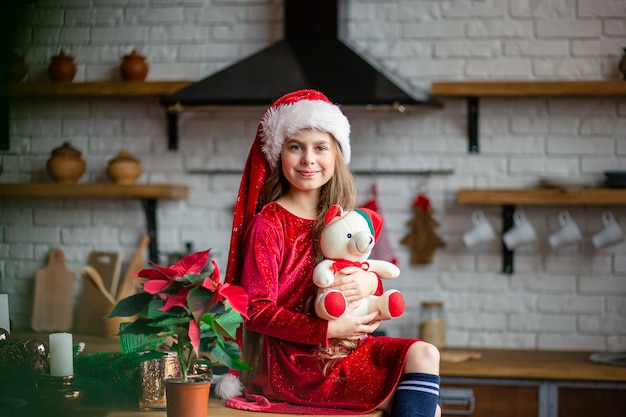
(311, 55)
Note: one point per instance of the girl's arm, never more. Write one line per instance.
(273, 305)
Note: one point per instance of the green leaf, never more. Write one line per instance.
(229, 354)
(200, 300)
(131, 305)
(229, 323)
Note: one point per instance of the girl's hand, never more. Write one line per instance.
(355, 283)
(350, 326)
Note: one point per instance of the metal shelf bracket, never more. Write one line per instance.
(472, 125)
(507, 254)
(149, 207)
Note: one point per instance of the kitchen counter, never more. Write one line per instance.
(533, 364)
(493, 363)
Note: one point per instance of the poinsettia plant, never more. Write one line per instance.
(191, 309)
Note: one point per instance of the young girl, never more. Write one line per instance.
(297, 168)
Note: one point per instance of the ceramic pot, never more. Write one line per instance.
(66, 165)
(124, 169)
(62, 68)
(134, 67)
(187, 399)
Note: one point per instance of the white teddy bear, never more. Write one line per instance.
(347, 240)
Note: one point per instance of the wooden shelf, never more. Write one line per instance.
(95, 190)
(543, 196)
(527, 88)
(472, 90)
(94, 89)
(149, 193)
(508, 199)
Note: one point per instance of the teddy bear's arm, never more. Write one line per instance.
(383, 269)
(323, 275)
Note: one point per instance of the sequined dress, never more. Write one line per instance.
(278, 264)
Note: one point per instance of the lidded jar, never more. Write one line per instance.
(62, 68)
(432, 327)
(134, 67)
(124, 169)
(66, 165)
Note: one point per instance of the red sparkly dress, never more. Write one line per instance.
(277, 270)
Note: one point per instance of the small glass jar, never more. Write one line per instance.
(153, 374)
(432, 327)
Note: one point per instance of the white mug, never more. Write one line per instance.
(610, 234)
(522, 231)
(567, 234)
(481, 232)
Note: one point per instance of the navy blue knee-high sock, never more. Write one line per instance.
(417, 395)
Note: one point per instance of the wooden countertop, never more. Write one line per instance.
(534, 364)
(493, 363)
(218, 409)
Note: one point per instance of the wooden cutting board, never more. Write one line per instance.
(130, 283)
(93, 306)
(54, 295)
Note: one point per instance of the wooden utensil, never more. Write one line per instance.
(89, 272)
(130, 283)
(93, 305)
(108, 265)
(54, 295)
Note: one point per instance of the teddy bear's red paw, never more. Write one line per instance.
(396, 304)
(335, 303)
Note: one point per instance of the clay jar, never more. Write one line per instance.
(65, 165)
(124, 169)
(134, 67)
(62, 68)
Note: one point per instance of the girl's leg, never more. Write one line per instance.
(417, 393)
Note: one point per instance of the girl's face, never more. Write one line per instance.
(308, 159)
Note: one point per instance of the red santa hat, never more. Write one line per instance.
(303, 109)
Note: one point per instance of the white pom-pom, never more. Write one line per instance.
(227, 386)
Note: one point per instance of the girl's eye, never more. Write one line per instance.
(295, 147)
(321, 148)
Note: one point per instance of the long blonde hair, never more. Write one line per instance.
(340, 189)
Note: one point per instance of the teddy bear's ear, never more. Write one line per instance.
(334, 211)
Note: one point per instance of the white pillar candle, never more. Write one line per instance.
(5, 323)
(61, 354)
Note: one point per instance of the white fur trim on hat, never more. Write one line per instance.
(285, 120)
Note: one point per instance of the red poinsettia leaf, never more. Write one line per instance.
(150, 273)
(155, 286)
(190, 264)
(176, 300)
(236, 297)
(194, 335)
(216, 272)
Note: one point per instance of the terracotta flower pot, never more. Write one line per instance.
(66, 165)
(124, 169)
(187, 399)
(134, 67)
(62, 68)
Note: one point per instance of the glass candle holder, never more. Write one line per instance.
(153, 372)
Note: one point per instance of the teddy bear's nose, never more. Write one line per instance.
(363, 243)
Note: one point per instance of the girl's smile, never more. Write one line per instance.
(308, 159)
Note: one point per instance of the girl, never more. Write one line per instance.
(297, 168)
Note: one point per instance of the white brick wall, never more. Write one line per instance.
(573, 298)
